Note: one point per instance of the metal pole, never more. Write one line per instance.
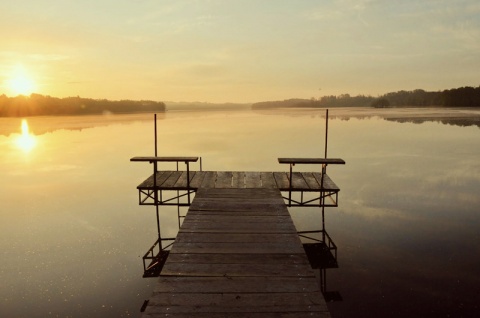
(188, 181)
(290, 186)
(155, 183)
(155, 125)
(324, 171)
(155, 197)
(323, 219)
(326, 134)
(178, 208)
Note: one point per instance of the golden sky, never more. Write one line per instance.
(236, 50)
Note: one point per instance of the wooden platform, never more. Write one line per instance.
(301, 181)
(237, 254)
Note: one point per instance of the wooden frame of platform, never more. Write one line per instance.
(191, 181)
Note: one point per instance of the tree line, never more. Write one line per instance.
(40, 105)
(456, 97)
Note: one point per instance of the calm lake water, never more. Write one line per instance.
(407, 227)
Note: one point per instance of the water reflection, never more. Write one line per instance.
(48, 124)
(461, 121)
(407, 225)
(26, 141)
(463, 117)
(322, 255)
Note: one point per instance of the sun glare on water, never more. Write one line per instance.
(26, 141)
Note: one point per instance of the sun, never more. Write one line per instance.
(21, 82)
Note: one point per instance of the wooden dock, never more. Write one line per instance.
(291, 182)
(237, 254)
(177, 180)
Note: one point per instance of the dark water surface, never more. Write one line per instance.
(407, 226)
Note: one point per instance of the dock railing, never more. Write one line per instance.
(323, 161)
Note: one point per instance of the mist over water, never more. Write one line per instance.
(407, 226)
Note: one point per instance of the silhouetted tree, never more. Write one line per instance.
(381, 103)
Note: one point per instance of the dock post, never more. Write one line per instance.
(188, 181)
(155, 198)
(290, 186)
(155, 195)
(155, 132)
(324, 171)
(326, 133)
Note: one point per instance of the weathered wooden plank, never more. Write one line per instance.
(216, 258)
(235, 210)
(161, 177)
(311, 180)
(235, 218)
(197, 179)
(281, 180)
(253, 180)
(236, 199)
(250, 194)
(182, 180)
(234, 300)
(237, 284)
(165, 159)
(185, 237)
(198, 311)
(209, 180)
(331, 184)
(237, 248)
(336, 161)
(238, 180)
(317, 314)
(224, 179)
(238, 228)
(259, 209)
(298, 182)
(172, 179)
(267, 180)
(327, 182)
(234, 309)
(222, 204)
(238, 305)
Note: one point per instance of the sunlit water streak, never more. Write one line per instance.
(26, 141)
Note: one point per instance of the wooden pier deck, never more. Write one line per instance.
(237, 254)
(177, 180)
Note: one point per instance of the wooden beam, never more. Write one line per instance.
(328, 161)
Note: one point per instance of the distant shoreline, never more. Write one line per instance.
(40, 105)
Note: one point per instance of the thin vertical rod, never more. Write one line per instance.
(326, 134)
(155, 184)
(158, 228)
(155, 126)
(178, 207)
(188, 181)
(155, 197)
(324, 171)
(290, 186)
